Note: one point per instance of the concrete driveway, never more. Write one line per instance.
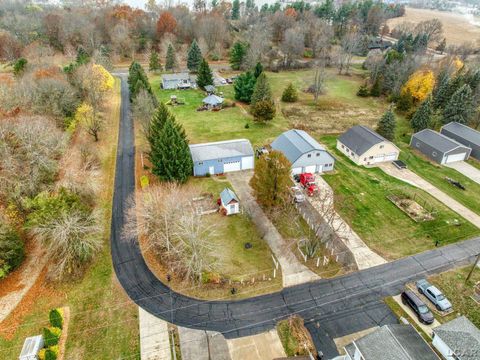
(466, 169)
(293, 271)
(410, 177)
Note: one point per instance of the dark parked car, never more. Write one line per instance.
(418, 306)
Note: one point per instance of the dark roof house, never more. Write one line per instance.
(439, 147)
(304, 152)
(457, 339)
(365, 147)
(465, 135)
(391, 342)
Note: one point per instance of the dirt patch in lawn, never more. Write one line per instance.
(413, 209)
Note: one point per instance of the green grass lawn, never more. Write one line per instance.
(452, 284)
(205, 126)
(385, 228)
(436, 174)
(474, 162)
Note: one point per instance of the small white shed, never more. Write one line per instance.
(229, 202)
(31, 347)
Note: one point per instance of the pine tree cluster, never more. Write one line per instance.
(138, 80)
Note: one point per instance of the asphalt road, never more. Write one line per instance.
(331, 307)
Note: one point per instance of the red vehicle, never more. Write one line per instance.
(308, 182)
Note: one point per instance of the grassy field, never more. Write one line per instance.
(474, 163)
(436, 175)
(104, 322)
(385, 228)
(452, 284)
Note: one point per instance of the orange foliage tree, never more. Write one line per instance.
(420, 84)
(291, 12)
(166, 23)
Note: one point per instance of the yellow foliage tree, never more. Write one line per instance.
(420, 84)
(458, 64)
(105, 79)
(87, 117)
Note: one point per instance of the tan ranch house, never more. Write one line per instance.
(365, 147)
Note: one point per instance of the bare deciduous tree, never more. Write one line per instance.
(349, 45)
(292, 45)
(319, 78)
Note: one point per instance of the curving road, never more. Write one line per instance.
(333, 306)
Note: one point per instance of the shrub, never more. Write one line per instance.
(247, 126)
(308, 53)
(263, 110)
(290, 94)
(41, 354)
(51, 335)
(56, 318)
(51, 353)
(19, 66)
(363, 91)
(12, 251)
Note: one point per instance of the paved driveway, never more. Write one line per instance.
(466, 169)
(293, 271)
(410, 177)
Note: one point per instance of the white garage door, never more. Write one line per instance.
(297, 170)
(310, 169)
(247, 162)
(391, 157)
(456, 157)
(231, 166)
(379, 158)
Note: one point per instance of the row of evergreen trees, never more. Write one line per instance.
(169, 153)
(453, 99)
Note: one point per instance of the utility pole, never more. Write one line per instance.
(473, 268)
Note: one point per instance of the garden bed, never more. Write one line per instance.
(412, 208)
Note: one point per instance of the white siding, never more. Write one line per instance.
(231, 166)
(442, 348)
(247, 162)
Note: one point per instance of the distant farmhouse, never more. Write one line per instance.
(176, 81)
(465, 135)
(221, 157)
(365, 147)
(439, 147)
(304, 153)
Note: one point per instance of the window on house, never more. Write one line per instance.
(200, 163)
(382, 146)
(364, 159)
(318, 154)
(434, 153)
(343, 146)
(309, 155)
(371, 157)
(417, 144)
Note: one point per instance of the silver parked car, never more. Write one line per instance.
(433, 294)
(297, 194)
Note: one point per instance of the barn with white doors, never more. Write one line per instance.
(438, 147)
(221, 157)
(304, 153)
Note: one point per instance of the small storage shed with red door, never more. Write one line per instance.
(229, 202)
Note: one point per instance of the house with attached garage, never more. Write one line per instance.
(439, 147)
(176, 81)
(304, 153)
(364, 146)
(458, 339)
(390, 342)
(221, 157)
(465, 135)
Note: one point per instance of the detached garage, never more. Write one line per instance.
(438, 147)
(221, 157)
(465, 135)
(304, 153)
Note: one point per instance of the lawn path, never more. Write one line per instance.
(293, 271)
(411, 178)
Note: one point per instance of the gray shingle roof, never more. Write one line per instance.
(462, 337)
(221, 150)
(437, 141)
(176, 76)
(360, 138)
(294, 143)
(228, 195)
(213, 100)
(395, 342)
(464, 131)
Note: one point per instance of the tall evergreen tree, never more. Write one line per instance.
(170, 62)
(250, 4)
(205, 76)
(154, 62)
(441, 90)
(422, 118)
(258, 70)
(244, 86)
(194, 56)
(237, 55)
(460, 107)
(169, 151)
(236, 10)
(387, 125)
(262, 90)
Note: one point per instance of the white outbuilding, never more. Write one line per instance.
(229, 202)
(31, 347)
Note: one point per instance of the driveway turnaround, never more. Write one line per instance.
(293, 271)
(466, 169)
(411, 178)
(348, 303)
